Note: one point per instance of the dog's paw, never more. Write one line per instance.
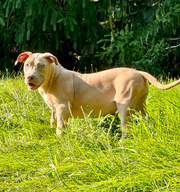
(60, 132)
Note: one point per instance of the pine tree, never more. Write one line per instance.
(141, 34)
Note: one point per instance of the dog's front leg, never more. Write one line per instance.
(62, 114)
(53, 121)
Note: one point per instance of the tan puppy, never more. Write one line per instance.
(103, 92)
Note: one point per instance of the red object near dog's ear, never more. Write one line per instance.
(51, 58)
(22, 57)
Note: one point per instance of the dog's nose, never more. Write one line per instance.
(30, 77)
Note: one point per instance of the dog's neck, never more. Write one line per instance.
(53, 74)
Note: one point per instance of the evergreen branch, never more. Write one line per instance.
(172, 47)
(174, 39)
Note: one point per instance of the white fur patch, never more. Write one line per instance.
(48, 102)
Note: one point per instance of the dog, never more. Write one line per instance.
(69, 93)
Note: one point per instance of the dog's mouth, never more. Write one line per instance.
(32, 86)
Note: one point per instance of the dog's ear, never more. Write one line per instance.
(22, 57)
(51, 58)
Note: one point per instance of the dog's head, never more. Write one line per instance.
(37, 67)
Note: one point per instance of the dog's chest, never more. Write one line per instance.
(48, 102)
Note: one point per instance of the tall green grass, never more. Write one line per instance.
(89, 157)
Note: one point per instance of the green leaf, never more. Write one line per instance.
(74, 21)
(7, 9)
(28, 30)
(29, 9)
(60, 20)
(2, 22)
(54, 20)
(28, 35)
(84, 4)
(18, 4)
(45, 21)
(75, 45)
(71, 24)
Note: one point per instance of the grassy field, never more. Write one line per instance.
(89, 157)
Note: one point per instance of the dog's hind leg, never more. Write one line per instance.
(141, 105)
(125, 110)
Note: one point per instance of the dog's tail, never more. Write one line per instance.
(154, 81)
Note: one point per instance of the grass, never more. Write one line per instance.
(89, 157)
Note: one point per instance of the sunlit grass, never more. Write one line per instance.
(89, 157)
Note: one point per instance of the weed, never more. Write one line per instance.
(89, 157)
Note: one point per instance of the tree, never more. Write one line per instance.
(64, 28)
(144, 35)
(135, 33)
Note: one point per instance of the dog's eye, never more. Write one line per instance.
(26, 65)
(40, 65)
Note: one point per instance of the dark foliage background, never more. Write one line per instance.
(143, 34)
